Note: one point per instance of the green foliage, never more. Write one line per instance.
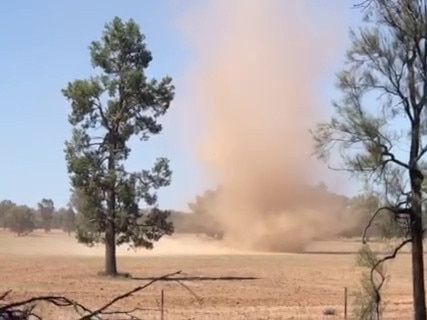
(88, 229)
(366, 258)
(365, 307)
(389, 227)
(21, 220)
(379, 124)
(205, 209)
(5, 206)
(107, 110)
(68, 220)
(385, 225)
(183, 222)
(382, 99)
(204, 213)
(359, 210)
(46, 209)
(368, 304)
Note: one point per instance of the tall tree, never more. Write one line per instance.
(5, 206)
(21, 220)
(204, 214)
(383, 139)
(65, 219)
(107, 110)
(46, 209)
(69, 220)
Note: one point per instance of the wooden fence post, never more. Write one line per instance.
(162, 305)
(345, 303)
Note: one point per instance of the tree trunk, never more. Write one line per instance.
(110, 228)
(416, 218)
(417, 235)
(418, 266)
(110, 249)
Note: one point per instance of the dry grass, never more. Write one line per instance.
(290, 286)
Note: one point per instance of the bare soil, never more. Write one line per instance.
(287, 286)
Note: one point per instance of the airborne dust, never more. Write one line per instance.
(258, 72)
(254, 91)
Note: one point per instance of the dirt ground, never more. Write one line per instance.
(286, 286)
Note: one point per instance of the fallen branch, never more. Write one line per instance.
(25, 309)
(126, 295)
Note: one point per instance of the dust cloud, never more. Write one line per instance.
(257, 70)
(56, 243)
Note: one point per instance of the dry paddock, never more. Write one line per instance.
(286, 286)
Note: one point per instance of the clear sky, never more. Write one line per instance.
(44, 46)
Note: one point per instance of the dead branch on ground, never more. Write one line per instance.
(25, 309)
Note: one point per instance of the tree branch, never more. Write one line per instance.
(98, 105)
(422, 152)
(395, 210)
(374, 268)
(126, 295)
(24, 309)
(363, 4)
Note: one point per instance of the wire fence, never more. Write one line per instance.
(396, 310)
(200, 311)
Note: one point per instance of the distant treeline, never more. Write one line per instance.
(200, 219)
(23, 219)
(357, 211)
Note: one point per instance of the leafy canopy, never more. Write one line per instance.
(107, 110)
(46, 209)
(379, 122)
(21, 220)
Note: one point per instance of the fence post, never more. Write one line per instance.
(162, 305)
(345, 303)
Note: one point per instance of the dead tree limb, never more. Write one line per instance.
(126, 295)
(25, 309)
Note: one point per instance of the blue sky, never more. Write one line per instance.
(45, 46)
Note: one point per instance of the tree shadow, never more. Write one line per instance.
(197, 278)
(350, 252)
